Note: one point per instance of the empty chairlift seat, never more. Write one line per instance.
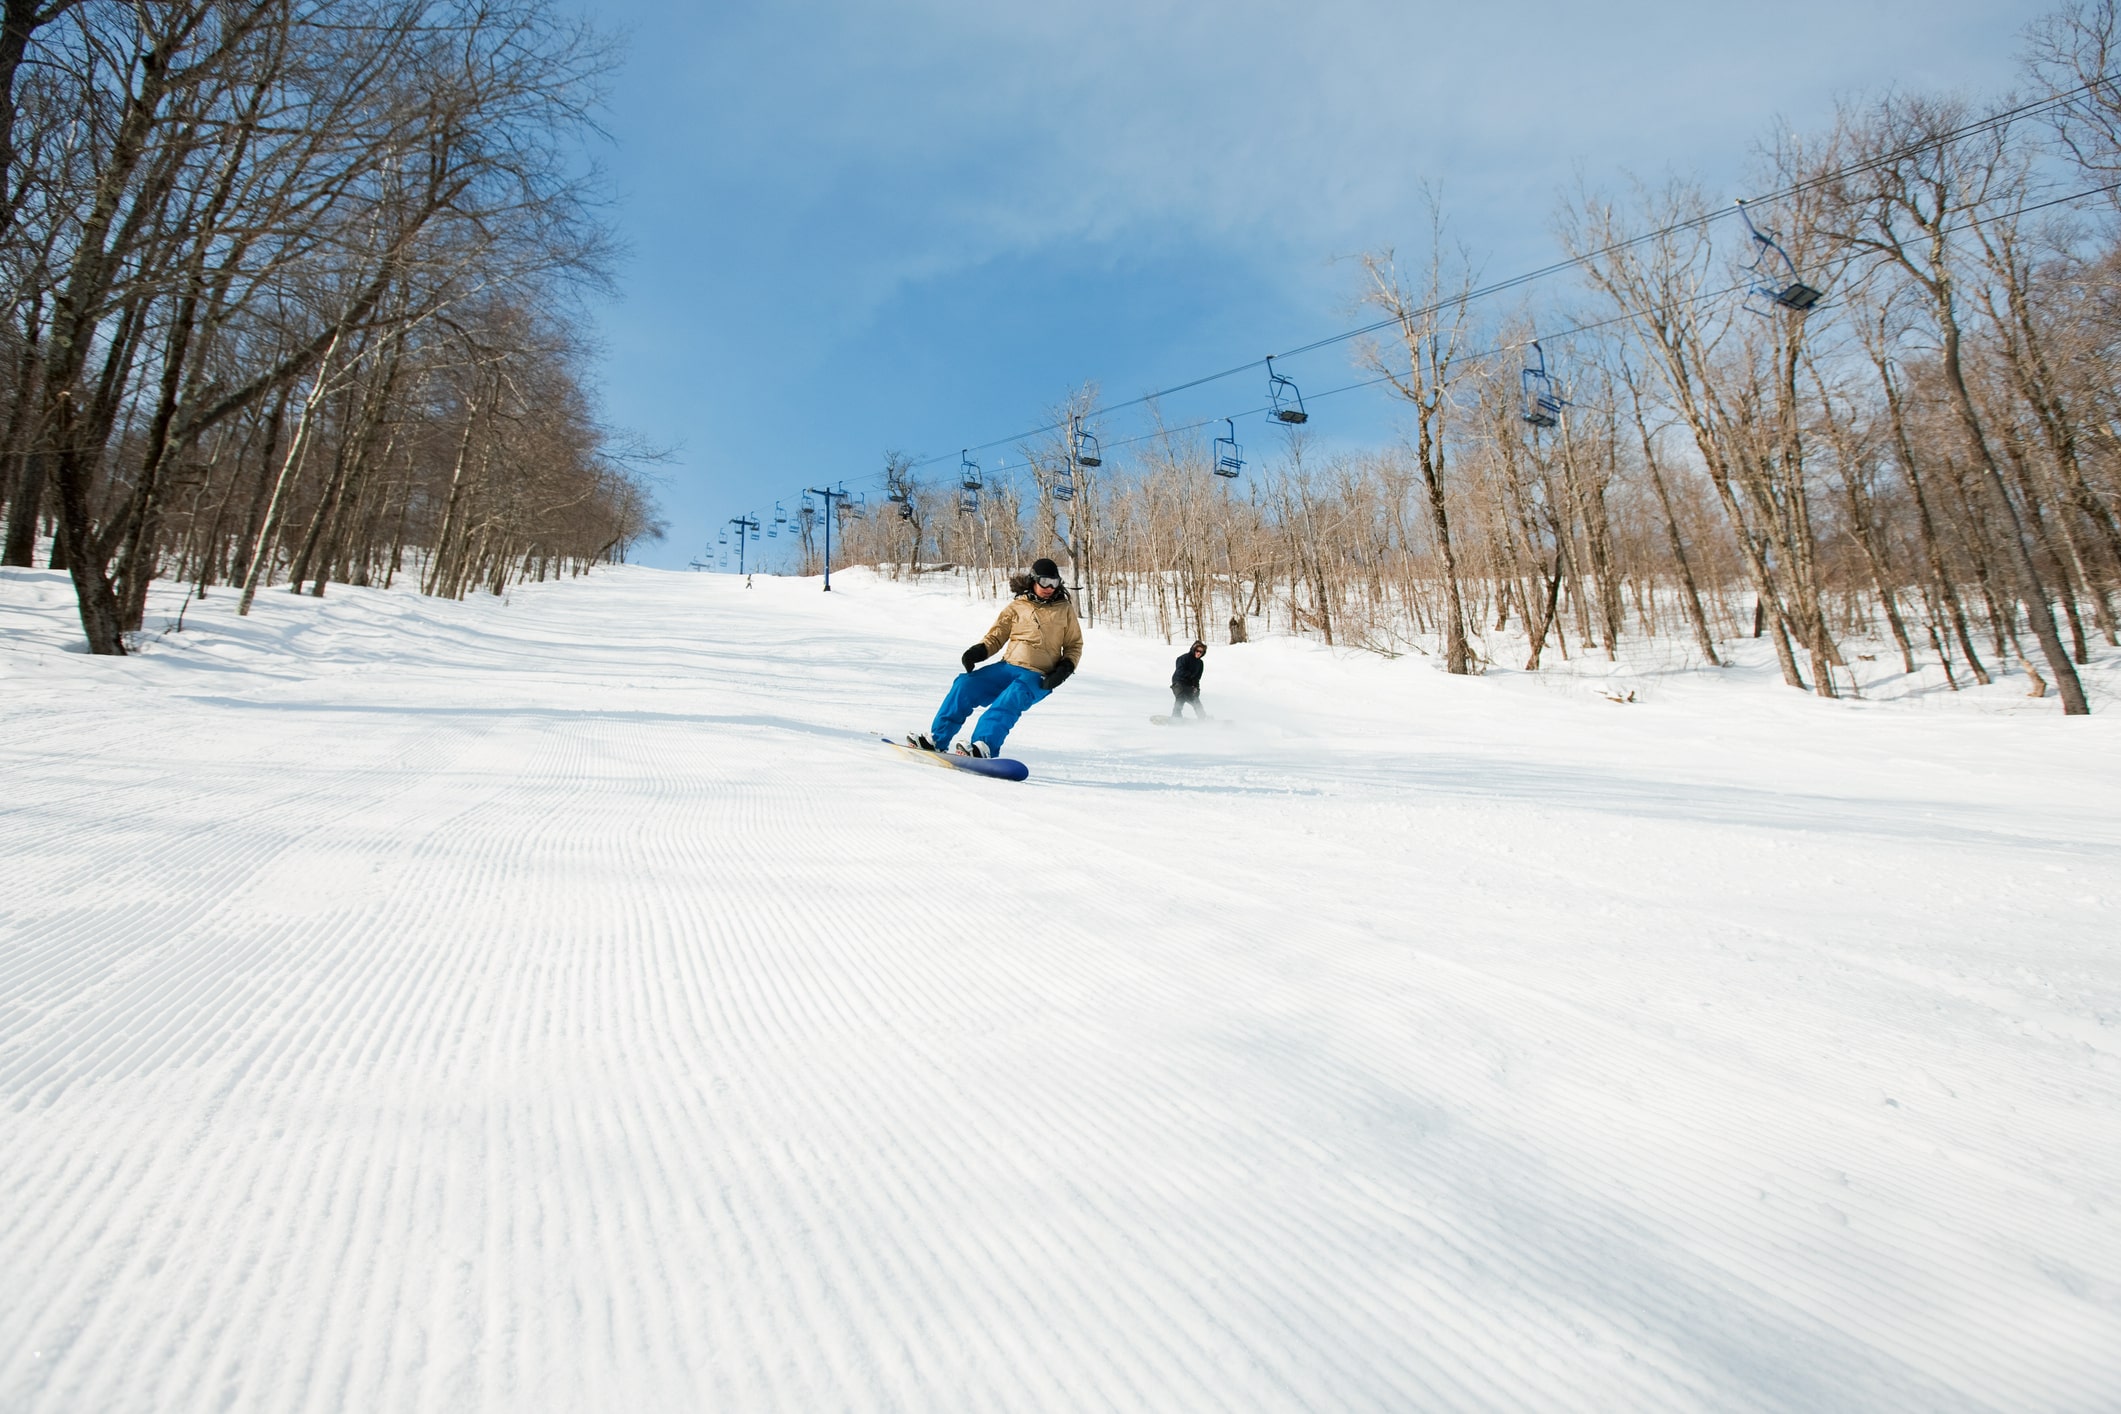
(1778, 285)
(1229, 457)
(1284, 403)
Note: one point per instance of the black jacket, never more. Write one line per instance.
(1188, 671)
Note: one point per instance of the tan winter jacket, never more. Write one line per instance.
(1037, 635)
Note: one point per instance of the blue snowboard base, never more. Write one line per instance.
(999, 767)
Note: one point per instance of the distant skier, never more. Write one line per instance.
(1040, 640)
(1185, 681)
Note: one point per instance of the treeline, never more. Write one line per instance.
(1927, 456)
(287, 294)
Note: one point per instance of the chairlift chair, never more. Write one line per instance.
(905, 510)
(1284, 402)
(1229, 457)
(1063, 480)
(1542, 403)
(968, 501)
(780, 516)
(1085, 448)
(1780, 284)
(968, 475)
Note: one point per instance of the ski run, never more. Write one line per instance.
(567, 1003)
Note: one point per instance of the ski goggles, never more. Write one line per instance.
(1047, 581)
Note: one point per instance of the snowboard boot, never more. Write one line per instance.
(977, 748)
(919, 742)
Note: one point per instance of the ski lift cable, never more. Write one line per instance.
(1708, 217)
(1587, 327)
(1518, 344)
(1498, 350)
(1495, 352)
(1502, 286)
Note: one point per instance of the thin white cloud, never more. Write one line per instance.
(971, 128)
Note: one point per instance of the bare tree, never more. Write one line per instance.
(1925, 175)
(1432, 321)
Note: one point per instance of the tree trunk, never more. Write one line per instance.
(1703, 639)
(262, 550)
(2031, 591)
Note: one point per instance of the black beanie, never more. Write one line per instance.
(1045, 568)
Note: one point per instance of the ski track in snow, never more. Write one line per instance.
(566, 1004)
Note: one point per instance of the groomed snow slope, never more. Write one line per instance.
(566, 1004)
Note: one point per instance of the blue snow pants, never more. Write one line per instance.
(1004, 689)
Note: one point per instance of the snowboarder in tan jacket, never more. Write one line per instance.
(1040, 640)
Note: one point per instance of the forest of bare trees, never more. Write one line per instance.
(288, 293)
(1879, 406)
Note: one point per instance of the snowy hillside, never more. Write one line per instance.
(567, 1004)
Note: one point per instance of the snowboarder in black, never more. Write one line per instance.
(1185, 681)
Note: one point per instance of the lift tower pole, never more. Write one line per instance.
(828, 495)
(743, 524)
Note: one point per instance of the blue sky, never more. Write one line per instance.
(854, 227)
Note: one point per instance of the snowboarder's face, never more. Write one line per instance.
(1045, 588)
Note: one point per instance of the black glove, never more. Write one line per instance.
(972, 655)
(1057, 674)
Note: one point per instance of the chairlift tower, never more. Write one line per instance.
(829, 495)
(742, 524)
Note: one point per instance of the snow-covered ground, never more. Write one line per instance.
(566, 1004)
